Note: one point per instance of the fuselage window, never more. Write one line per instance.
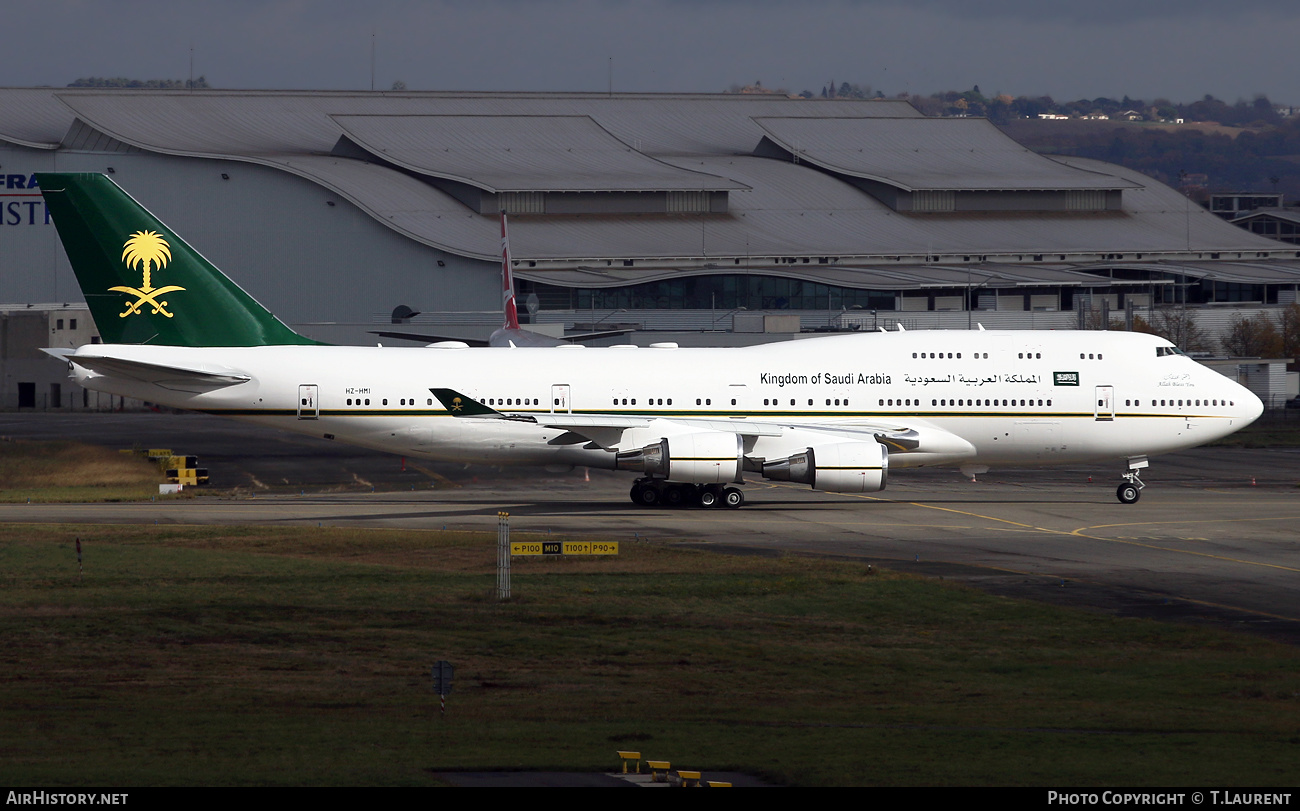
(697, 401)
(733, 400)
(349, 401)
(708, 402)
(958, 356)
(1098, 356)
(791, 401)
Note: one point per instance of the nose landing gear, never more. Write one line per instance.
(1131, 489)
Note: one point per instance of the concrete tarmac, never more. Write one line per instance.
(1204, 544)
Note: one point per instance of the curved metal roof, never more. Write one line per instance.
(950, 154)
(502, 153)
(781, 214)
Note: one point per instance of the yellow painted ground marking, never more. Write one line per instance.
(1082, 533)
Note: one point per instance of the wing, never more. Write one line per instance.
(765, 438)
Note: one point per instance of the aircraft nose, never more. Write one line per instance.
(1250, 405)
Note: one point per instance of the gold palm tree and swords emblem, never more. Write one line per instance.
(149, 251)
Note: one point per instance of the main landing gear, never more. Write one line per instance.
(660, 493)
(1130, 490)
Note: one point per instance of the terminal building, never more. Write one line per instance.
(350, 214)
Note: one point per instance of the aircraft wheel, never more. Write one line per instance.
(1128, 493)
(645, 495)
(732, 498)
(674, 496)
(709, 497)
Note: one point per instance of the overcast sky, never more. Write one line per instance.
(1177, 49)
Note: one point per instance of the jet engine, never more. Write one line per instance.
(708, 457)
(844, 467)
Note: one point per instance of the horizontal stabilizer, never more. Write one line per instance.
(460, 405)
(175, 378)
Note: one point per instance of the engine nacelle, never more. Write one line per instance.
(844, 467)
(709, 457)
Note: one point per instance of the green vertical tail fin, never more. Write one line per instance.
(143, 283)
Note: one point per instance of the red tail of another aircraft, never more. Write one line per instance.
(507, 280)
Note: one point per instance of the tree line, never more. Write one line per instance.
(150, 84)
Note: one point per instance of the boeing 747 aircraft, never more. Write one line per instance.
(835, 413)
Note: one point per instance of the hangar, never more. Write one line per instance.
(349, 212)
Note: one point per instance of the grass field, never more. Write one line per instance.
(218, 655)
(56, 472)
(1279, 428)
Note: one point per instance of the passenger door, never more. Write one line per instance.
(308, 402)
(1104, 410)
(560, 399)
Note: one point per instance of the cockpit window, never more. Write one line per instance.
(1162, 351)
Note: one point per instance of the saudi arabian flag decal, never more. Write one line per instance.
(148, 251)
(1065, 378)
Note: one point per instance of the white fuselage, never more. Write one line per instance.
(973, 397)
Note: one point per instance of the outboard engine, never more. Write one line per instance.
(708, 457)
